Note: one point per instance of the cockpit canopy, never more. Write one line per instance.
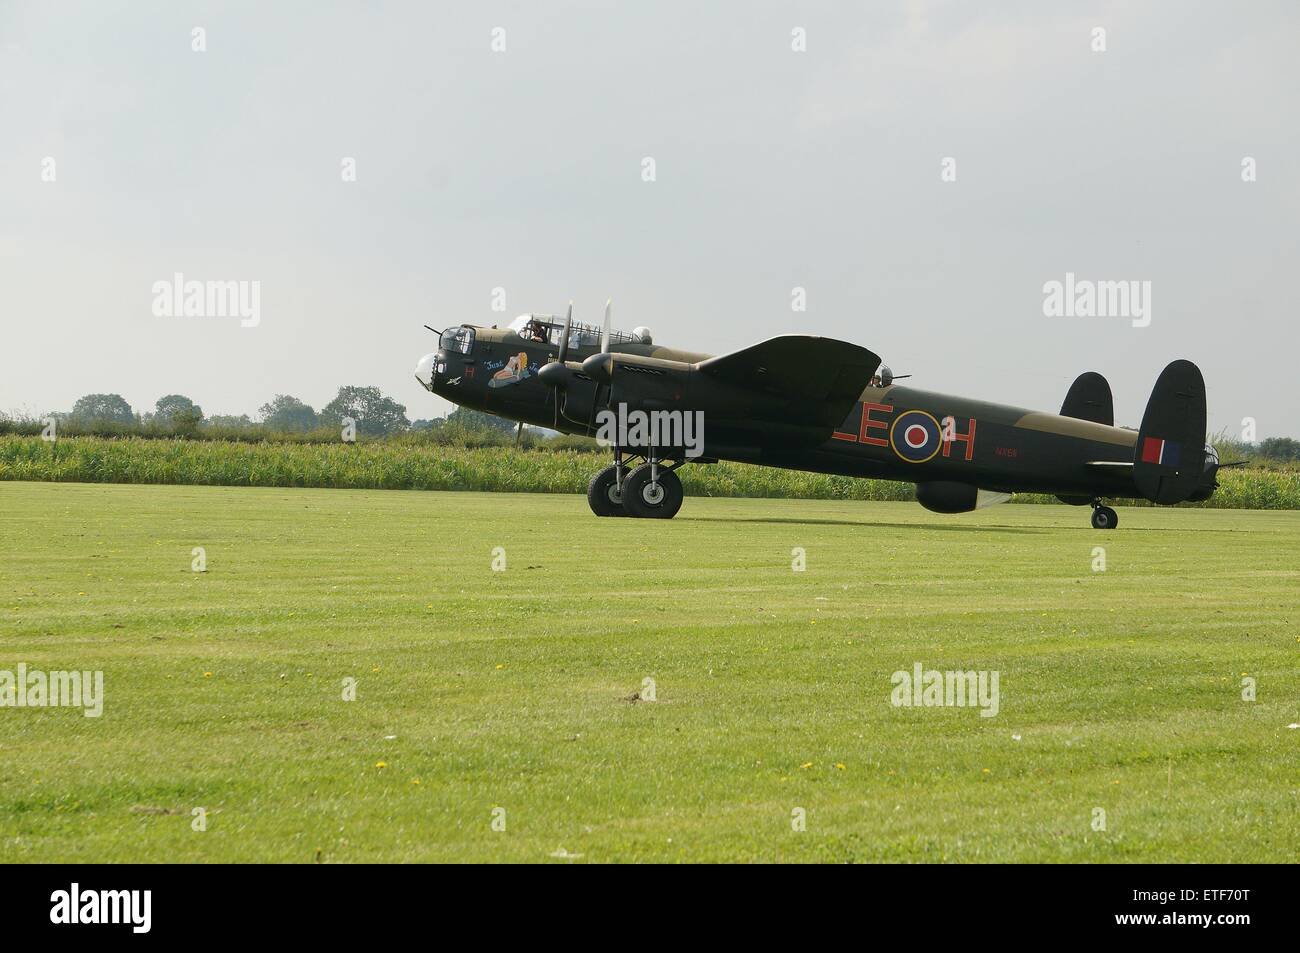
(549, 328)
(459, 340)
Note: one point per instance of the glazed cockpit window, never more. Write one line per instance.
(459, 340)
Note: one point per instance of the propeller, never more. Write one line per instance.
(555, 374)
(600, 367)
(564, 341)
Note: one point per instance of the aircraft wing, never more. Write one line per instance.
(822, 376)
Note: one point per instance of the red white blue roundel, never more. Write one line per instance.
(915, 436)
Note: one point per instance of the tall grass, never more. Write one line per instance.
(446, 433)
(411, 465)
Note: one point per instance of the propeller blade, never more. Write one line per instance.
(518, 434)
(564, 341)
(604, 334)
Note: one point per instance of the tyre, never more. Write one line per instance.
(1103, 517)
(602, 493)
(652, 500)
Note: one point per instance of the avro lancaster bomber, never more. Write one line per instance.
(812, 403)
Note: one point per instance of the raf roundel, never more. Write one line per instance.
(915, 436)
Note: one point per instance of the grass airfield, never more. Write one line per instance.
(513, 696)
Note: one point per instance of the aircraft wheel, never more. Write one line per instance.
(658, 500)
(1103, 517)
(602, 493)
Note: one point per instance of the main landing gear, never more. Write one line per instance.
(1103, 517)
(649, 491)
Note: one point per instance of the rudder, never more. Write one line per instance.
(1170, 453)
(1089, 398)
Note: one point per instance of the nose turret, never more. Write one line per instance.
(425, 369)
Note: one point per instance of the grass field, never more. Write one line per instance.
(477, 690)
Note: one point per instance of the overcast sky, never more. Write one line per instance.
(523, 169)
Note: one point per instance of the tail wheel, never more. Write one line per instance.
(603, 494)
(652, 499)
(1103, 517)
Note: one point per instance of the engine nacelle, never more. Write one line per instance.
(947, 496)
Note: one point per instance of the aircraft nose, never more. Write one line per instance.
(425, 369)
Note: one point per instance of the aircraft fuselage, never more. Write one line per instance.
(892, 432)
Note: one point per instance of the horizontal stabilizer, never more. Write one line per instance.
(1170, 454)
(1089, 398)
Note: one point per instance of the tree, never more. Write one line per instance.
(177, 409)
(375, 414)
(288, 413)
(229, 421)
(478, 420)
(1280, 448)
(104, 407)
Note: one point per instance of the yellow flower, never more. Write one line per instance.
(381, 764)
(500, 666)
(415, 780)
(207, 674)
(806, 765)
(839, 765)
